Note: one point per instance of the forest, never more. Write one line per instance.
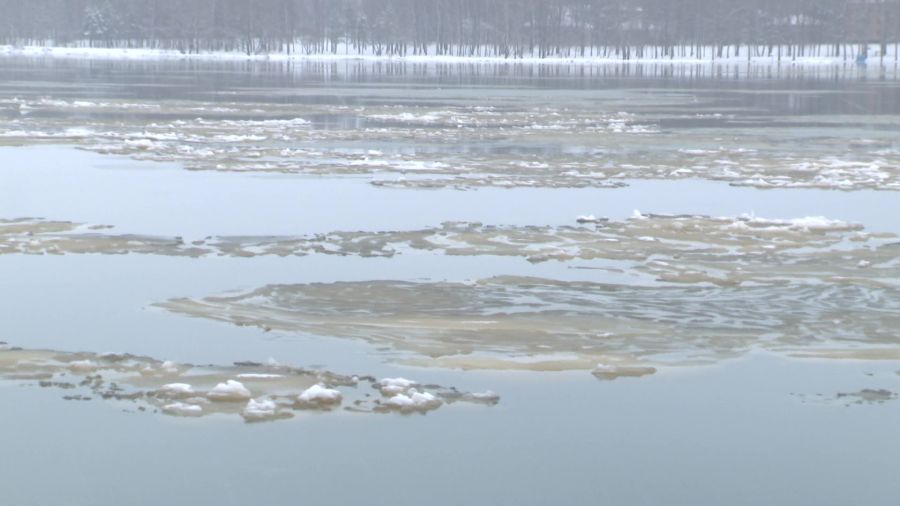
(500, 28)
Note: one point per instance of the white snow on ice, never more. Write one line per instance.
(229, 391)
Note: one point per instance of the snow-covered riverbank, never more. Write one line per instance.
(845, 54)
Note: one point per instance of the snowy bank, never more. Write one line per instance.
(824, 55)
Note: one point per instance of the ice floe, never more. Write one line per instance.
(194, 391)
(613, 371)
(631, 329)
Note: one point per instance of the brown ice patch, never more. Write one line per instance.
(540, 324)
(42, 237)
(673, 249)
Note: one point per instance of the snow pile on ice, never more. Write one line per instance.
(402, 396)
(414, 401)
(317, 396)
(258, 410)
(259, 376)
(230, 391)
(182, 409)
(167, 367)
(176, 390)
(391, 386)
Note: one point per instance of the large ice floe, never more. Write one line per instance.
(509, 322)
(510, 144)
(723, 251)
(262, 392)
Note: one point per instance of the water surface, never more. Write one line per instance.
(167, 153)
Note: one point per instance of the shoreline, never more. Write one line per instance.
(61, 52)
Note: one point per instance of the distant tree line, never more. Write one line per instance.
(507, 28)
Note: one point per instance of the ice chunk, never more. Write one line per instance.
(167, 367)
(230, 391)
(488, 396)
(613, 371)
(414, 401)
(176, 390)
(807, 224)
(262, 409)
(391, 386)
(317, 396)
(259, 376)
(182, 409)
